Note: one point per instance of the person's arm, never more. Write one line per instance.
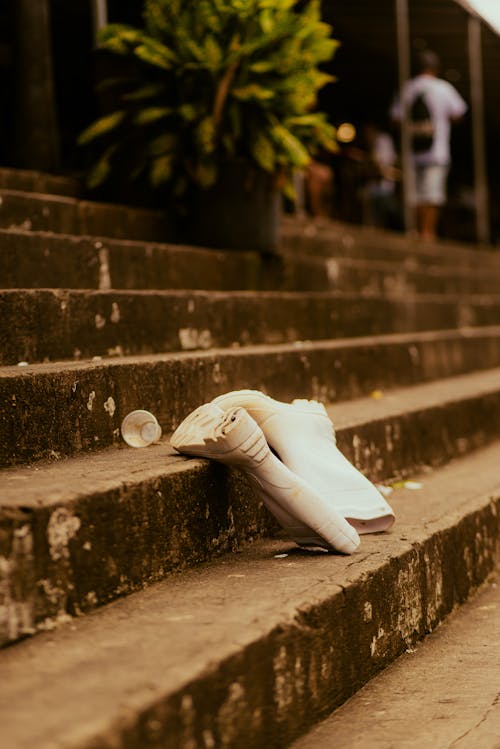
(457, 105)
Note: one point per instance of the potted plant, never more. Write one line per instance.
(218, 106)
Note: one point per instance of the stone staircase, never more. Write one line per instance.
(146, 599)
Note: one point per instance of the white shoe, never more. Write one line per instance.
(303, 437)
(234, 438)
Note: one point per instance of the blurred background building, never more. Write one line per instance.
(49, 68)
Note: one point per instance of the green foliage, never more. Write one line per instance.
(215, 79)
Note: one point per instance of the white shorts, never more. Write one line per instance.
(430, 184)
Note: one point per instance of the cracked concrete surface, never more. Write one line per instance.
(445, 694)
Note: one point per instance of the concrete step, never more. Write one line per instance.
(45, 260)
(29, 211)
(77, 533)
(46, 324)
(253, 649)
(445, 689)
(336, 239)
(389, 278)
(51, 410)
(29, 181)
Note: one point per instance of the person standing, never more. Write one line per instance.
(381, 178)
(431, 105)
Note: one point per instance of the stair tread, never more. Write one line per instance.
(98, 393)
(49, 212)
(69, 685)
(382, 339)
(73, 200)
(416, 397)
(46, 324)
(444, 297)
(70, 478)
(42, 182)
(34, 236)
(351, 234)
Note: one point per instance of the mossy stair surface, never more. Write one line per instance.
(52, 410)
(34, 259)
(67, 215)
(336, 239)
(44, 325)
(24, 180)
(79, 532)
(176, 616)
(253, 649)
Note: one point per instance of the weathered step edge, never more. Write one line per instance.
(339, 239)
(39, 182)
(52, 410)
(46, 260)
(94, 531)
(422, 587)
(258, 676)
(44, 325)
(28, 211)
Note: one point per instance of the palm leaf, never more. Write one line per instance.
(213, 53)
(252, 91)
(145, 92)
(264, 153)
(292, 146)
(162, 144)
(161, 170)
(152, 114)
(152, 55)
(101, 127)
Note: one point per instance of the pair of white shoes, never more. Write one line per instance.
(289, 453)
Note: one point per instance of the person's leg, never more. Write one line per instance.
(417, 197)
(431, 195)
(420, 218)
(428, 217)
(320, 188)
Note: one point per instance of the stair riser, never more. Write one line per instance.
(67, 215)
(62, 559)
(22, 211)
(42, 212)
(50, 261)
(28, 181)
(352, 242)
(393, 280)
(120, 540)
(46, 325)
(80, 408)
(400, 445)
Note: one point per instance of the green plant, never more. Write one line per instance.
(216, 80)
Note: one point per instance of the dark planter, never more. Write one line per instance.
(240, 212)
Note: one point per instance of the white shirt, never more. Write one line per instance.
(444, 103)
(384, 154)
